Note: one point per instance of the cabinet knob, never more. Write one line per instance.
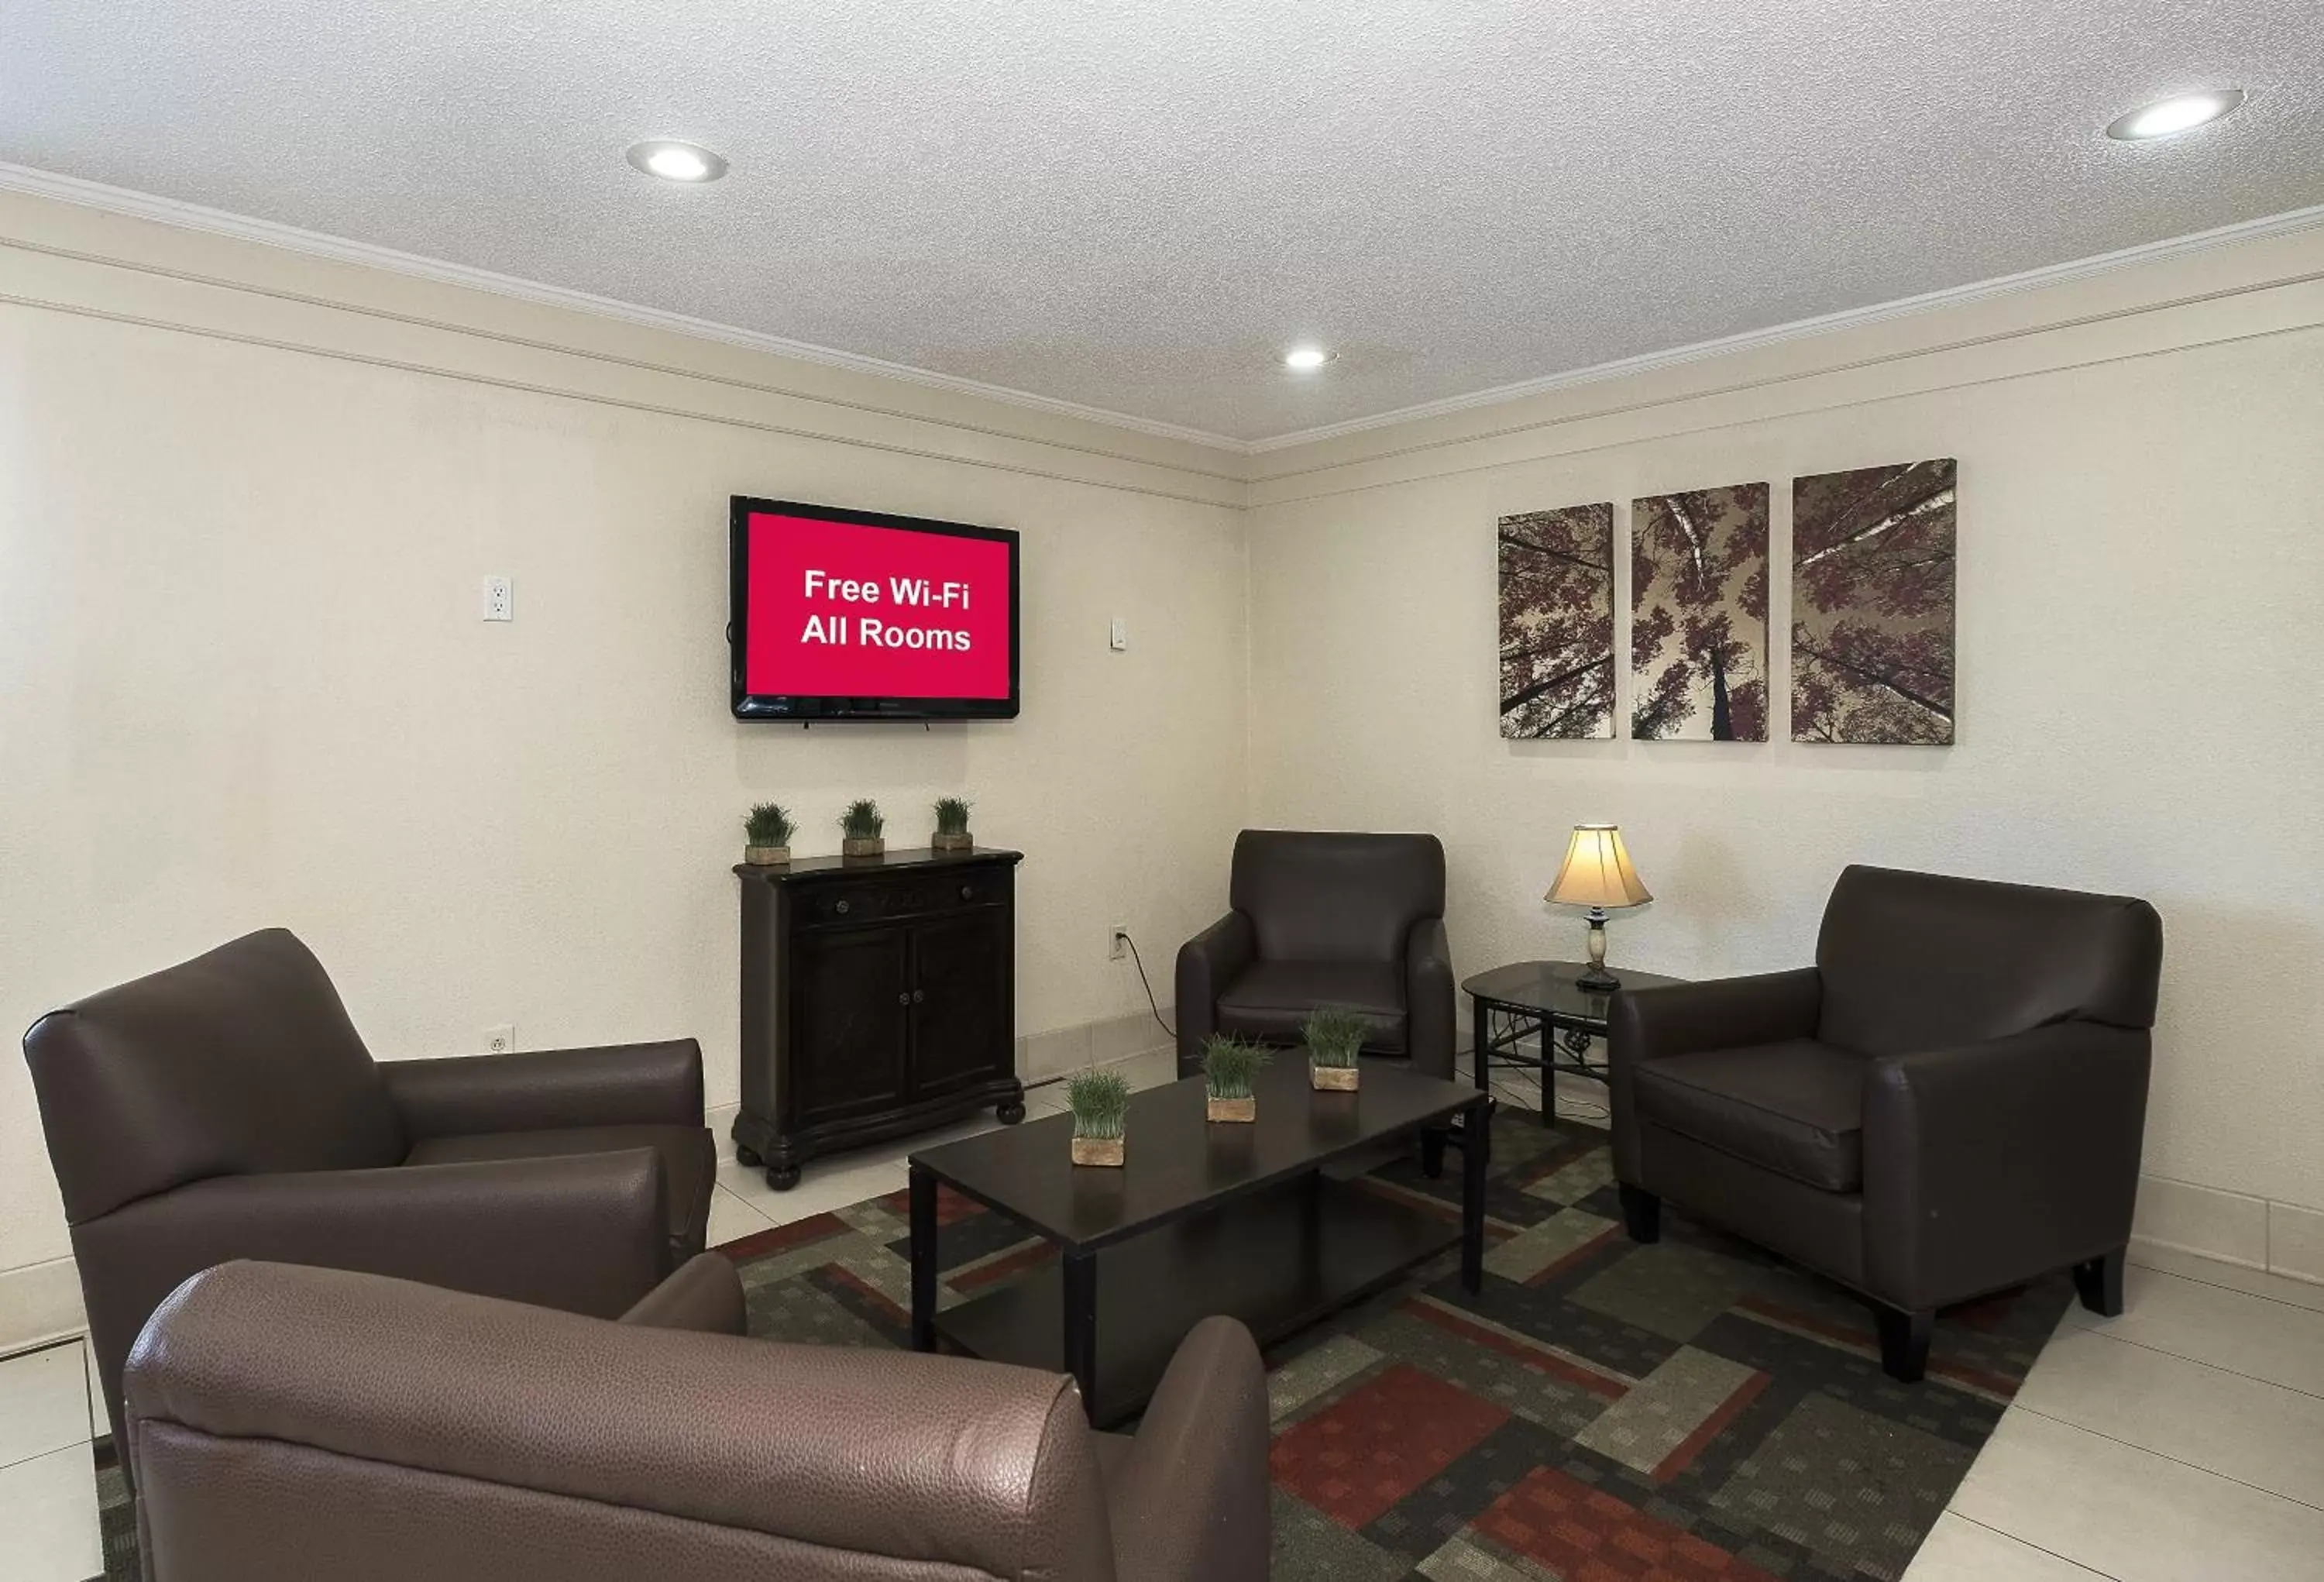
(903, 999)
(840, 907)
(918, 995)
(967, 892)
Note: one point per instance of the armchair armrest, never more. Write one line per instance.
(545, 1090)
(1431, 1010)
(584, 1232)
(1191, 1501)
(1717, 1013)
(932, 1463)
(704, 1296)
(1678, 1019)
(1207, 963)
(1989, 1164)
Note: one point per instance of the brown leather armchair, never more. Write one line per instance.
(1949, 1103)
(1325, 919)
(225, 1107)
(290, 1423)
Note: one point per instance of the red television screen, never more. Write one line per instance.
(850, 615)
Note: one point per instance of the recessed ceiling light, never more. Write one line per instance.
(1306, 359)
(2167, 117)
(677, 162)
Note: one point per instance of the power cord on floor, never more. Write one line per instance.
(1151, 1005)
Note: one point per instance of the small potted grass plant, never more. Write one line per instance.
(1099, 1103)
(1229, 1064)
(952, 826)
(860, 829)
(767, 836)
(1333, 1035)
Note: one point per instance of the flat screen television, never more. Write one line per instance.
(852, 614)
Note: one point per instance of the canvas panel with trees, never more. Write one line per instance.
(1872, 606)
(1557, 623)
(1698, 616)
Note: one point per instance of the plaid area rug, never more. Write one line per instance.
(1600, 1412)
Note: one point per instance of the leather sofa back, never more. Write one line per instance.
(1330, 896)
(241, 1061)
(290, 1422)
(1920, 961)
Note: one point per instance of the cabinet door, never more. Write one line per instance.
(850, 1008)
(962, 1016)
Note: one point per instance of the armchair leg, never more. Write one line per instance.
(2098, 1282)
(1432, 1153)
(1903, 1343)
(1642, 1213)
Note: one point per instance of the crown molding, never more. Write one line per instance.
(2049, 274)
(171, 211)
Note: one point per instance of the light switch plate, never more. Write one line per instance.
(1118, 635)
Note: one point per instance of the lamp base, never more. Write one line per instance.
(1594, 979)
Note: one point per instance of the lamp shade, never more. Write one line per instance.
(1597, 871)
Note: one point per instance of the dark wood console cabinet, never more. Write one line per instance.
(878, 999)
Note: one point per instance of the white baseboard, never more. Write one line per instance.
(40, 1302)
(2231, 1227)
(1055, 1053)
(2295, 1241)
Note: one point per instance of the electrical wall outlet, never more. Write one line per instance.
(500, 599)
(501, 1040)
(1118, 942)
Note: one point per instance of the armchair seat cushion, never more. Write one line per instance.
(1268, 1000)
(690, 1163)
(1795, 1107)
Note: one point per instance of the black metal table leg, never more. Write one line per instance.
(924, 1260)
(1474, 1158)
(1545, 1034)
(1081, 1325)
(1481, 1046)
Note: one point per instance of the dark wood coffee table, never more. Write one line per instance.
(1204, 1218)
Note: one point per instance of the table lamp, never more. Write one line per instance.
(1597, 874)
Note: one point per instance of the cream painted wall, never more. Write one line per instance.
(243, 678)
(2141, 573)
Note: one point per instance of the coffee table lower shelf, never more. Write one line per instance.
(1278, 1260)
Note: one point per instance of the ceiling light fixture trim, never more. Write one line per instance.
(2180, 112)
(673, 160)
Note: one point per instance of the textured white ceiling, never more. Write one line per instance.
(1135, 204)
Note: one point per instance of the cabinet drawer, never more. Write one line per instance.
(902, 896)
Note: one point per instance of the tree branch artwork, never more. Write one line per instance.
(1698, 616)
(1872, 606)
(1557, 623)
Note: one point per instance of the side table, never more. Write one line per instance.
(1542, 998)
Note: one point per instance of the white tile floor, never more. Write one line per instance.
(2184, 1440)
(48, 1481)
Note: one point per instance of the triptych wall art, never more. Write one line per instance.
(1557, 624)
(1872, 606)
(1698, 616)
(1872, 613)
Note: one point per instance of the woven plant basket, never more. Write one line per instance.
(1101, 1150)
